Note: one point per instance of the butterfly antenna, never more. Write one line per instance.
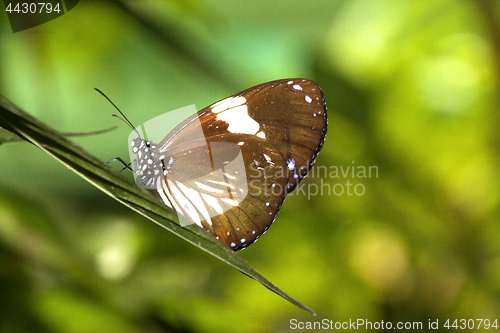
(124, 119)
(126, 122)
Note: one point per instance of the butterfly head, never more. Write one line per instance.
(148, 164)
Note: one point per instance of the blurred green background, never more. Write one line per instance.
(412, 88)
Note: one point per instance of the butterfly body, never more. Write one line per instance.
(228, 167)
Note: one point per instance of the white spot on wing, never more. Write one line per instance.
(221, 183)
(230, 201)
(268, 159)
(297, 87)
(261, 135)
(308, 99)
(228, 175)
(239, 121)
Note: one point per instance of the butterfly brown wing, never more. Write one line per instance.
(275, 130)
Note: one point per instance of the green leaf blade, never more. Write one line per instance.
(115, 185)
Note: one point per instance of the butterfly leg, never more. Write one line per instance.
(127, 165)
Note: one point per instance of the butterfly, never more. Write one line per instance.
(228, 167)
